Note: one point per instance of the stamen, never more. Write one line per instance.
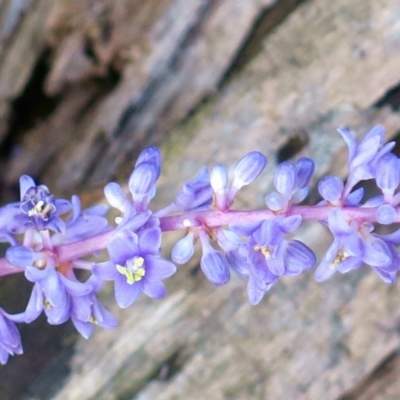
(93, 320)
(134, 270)
(41, 263)
(47, 304)
(265, 251)
(37, 208)
(340, 257)
(43, 209)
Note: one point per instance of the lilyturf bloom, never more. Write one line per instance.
(136, 265)
(38, 209)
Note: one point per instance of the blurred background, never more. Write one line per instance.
(86, 84)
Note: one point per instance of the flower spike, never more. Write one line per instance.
(49, 239)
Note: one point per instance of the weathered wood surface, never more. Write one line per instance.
(208, 81)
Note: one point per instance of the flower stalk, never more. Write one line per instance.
(58, 237)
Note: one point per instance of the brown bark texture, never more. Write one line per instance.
(85, 85)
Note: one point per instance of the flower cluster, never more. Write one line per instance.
(51, 239)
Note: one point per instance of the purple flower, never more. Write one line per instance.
(353, 244)
(260, 281)
(195, 195)
(213, 263)
(87, 311)
(268, 255)
(52, 294)
(52, 290)
(141, 184)
(245, 172)
(135, 265)
(153, 156)
(388, 176)
(386, 214)
(82, 224)
(291, 182)
(331, 189)
(183, 249)
(117, 198)
(38, 209)
(231, 242)
(10, 339)
(269, 249)
(219, 181)
(363, 156)
(388, 273)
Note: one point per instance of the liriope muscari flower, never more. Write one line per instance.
(37, 209)
(363, 156)
(245, 172)
(136, 265)
(291, 183)
(258, 245)
(52, 290)
(269, 255)
(354, 244)
(87, 311)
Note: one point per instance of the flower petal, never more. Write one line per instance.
(105, 270)
(183, 249)
(150, 241)
(123, 246)
(158, 268)
(215, 267)
(126, 294)
(155, 289)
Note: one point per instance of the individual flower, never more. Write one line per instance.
(213, 263)
(388, 273)
(82, 224)
(269, 255)
(269, 248)
(195, 194)
(183, 249)
(38, 209)
(245, 172)
(353, 245)
(153, 156)
(387, 176)
(135, 265)
(363, 156)
(331, 189)
(141, 184)
(10, 339)
(291, 183)
(52, 290)
(87, 311)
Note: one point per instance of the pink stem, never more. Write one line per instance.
(8, 269)
(86, 247)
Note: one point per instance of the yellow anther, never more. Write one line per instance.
(47, 304)
(41, 208)
(37, 209)
(41, 263)
(340, 257)
(134, 270)
(265, 251)
(93, 320)
(139, 262)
